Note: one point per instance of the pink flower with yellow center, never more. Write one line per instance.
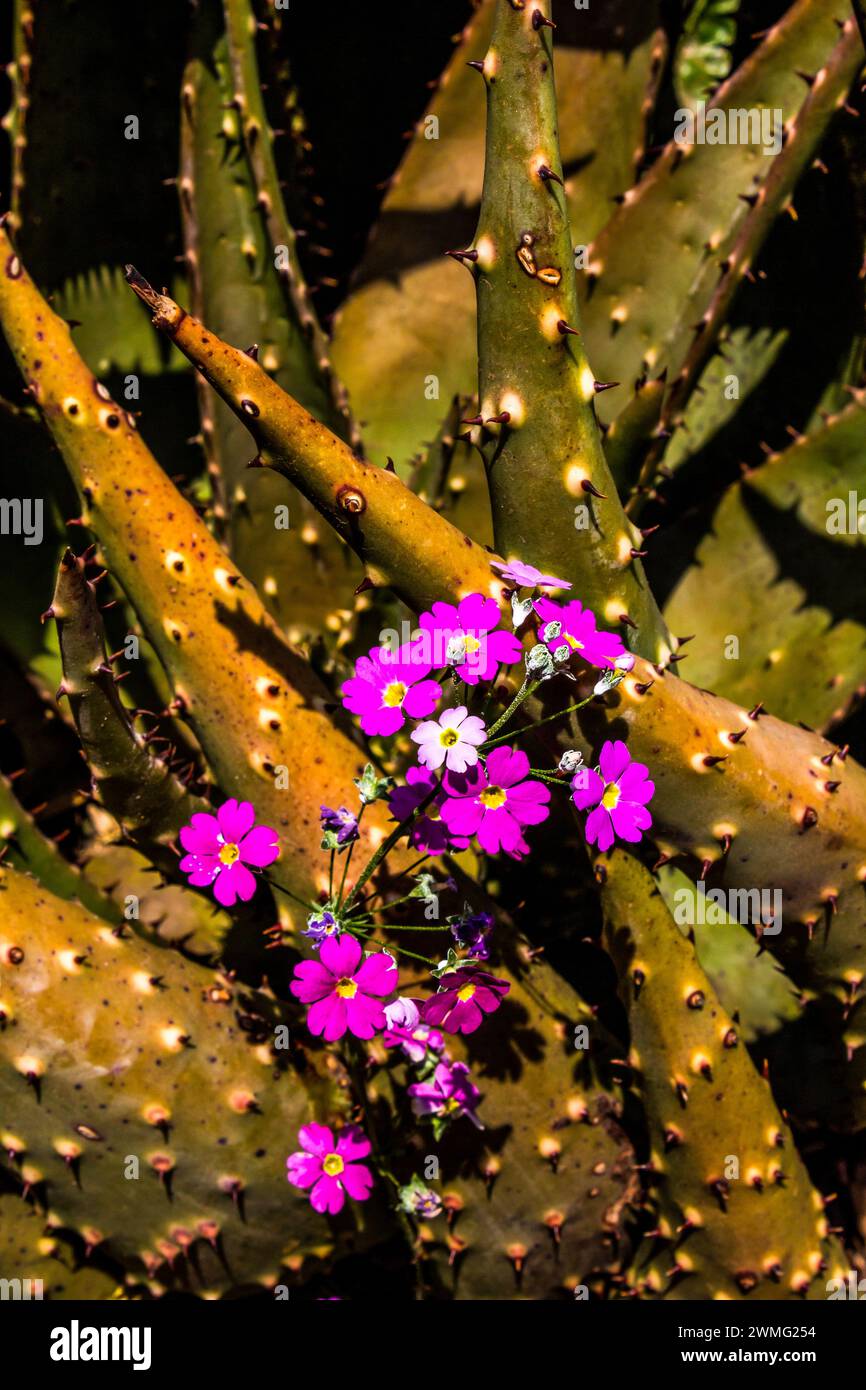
(219, 849)
(619, 791)
(345, 993)
(330, 1168)
(464, 997)
(388, 686)
(495, 802)
(579, 632)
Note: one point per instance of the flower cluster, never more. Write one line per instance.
(468, 786)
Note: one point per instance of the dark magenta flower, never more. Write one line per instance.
(345, 993)
(448, 1094)
(495, 802)
(619, 794)
(579, 632)
(468, 638)
(527, 576)
(429, 834)
(471, 931)
(389, 686)
(341, 823)
(330, 1167)
(220, 847)
(464, 997)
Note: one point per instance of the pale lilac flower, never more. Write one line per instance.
(452, 739)
(527, 576)
(402, 1012)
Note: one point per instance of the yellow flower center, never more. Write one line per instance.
(228, 854)
(432, 812)
(333, 1165)
(346, 988)
(466, 993)
(448, 737)
(493, 798)
(611, 796)
(573, 642)
(471, 643)
(394, 694)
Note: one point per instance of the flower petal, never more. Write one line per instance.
(357, 1180)
(260, 847)
(327, 1196)
(201, 835)
(613, 760)
(235, 819)
(352, 1143)
(341, 954)
(378, 974)
(316, 1139)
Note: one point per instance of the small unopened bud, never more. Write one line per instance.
(570, 760)
(625, 662)
(551, 631)
(520, 609)
(540, 663)
(455, 652)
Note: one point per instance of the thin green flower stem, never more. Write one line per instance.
(349, 856)
(412, 926)
(530, 728)
(528, 688)
(388, 946)
(388, 844)
(489, 698)
(331, 876)
(371, 898)
(543, 776)
(311, 907)
(356, 1062)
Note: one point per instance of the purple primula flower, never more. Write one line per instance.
(465, 996)
(345, 992)
(579, 632)
(619, 794)
(220, 847)
(468, 638)
(402, 1013)
(429, 834)
(415, 1042)
(527, 576)
(471, 931)
(448, 1094)
(330, 1167)
(495, 802)
(388, 687)
(342, 822)
(320, 927)
(452, 739)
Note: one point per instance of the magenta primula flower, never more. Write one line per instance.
(468, 638)
(220, 847)
(388, 686)
(453, 739)
(496, 802)
(449, 1093)
(579, 632)
(345, 993)
(527, 576)
(415, 1042)
(465, 996)
(429, 834)
(619, 794)
(330, 1167)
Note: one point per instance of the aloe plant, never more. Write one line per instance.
(463, 867)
